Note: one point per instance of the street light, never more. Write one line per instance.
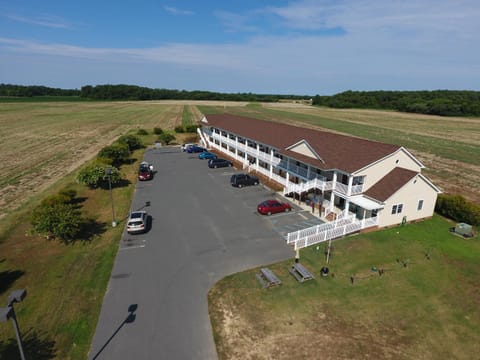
(8, 313)
(108, 173)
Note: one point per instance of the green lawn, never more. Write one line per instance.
(427, 309)
(65, 283)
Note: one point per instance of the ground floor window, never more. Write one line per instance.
(397, 209)
(420, 205)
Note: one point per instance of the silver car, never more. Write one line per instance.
(137, 222)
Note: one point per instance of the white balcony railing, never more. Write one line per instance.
(344, 225)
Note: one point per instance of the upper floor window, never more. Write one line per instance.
(397, 209)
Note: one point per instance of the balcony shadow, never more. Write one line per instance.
(128, 320)
(36, 345)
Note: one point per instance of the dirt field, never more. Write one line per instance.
(41, 142)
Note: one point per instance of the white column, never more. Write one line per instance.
(350, 181)
(332, 199)
(271, 163)
(236, 147)
(347, 206)
(334, 181)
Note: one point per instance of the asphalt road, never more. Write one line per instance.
(202, 229)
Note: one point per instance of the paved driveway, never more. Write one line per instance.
(202, 229)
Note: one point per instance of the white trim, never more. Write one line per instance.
(304, 142)
(388, 156)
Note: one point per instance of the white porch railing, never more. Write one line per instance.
(317, 183)
(344, 225)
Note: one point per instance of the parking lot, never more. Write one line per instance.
(202, 229)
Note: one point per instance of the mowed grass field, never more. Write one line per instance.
(44, 143)
(41, 142)
(424, 306)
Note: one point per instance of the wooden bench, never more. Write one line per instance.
(300, 272)
(267, 278)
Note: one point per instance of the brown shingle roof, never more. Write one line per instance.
(390, 183)
(337, 151)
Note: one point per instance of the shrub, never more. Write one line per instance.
(157, 131)
(56, 216)
(94, 176)
(117, 153)
(179, 129)
(166, 138)
(192, 128)
(142, 132)
(133, 142)
(457, 208)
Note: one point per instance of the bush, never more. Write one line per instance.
(457, 208)
(57, 216)
(94, 176)
(166, 138)
(157, 131)
(117, 153)
(192, 128)
(179, 129)
(133, 142)
(142, 132)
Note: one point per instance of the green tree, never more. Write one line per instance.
(93, 175)
(118, 153)
(166, 138)
(133, 142)
(57, 217)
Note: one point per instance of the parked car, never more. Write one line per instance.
(269, 207)
(186, 146)
(216, 163)
(207, 155)
(145, 171)
(137, 222)
(241, 180)
(195, 149)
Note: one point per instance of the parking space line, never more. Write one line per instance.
(132, 247)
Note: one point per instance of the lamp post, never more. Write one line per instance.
(8, 313)
(108, 173)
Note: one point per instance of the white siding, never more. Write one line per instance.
(409, 196)
(378, 170)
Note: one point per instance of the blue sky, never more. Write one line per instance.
(283, 47)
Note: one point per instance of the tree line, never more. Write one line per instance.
(132, 92)
(35, 90)
(438, 102)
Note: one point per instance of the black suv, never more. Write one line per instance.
(216, 163)
(240, 180)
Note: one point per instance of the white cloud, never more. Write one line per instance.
(386, 45)
(42, 20)
(177, 11)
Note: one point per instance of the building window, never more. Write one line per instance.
(420, 205)
(397, 209)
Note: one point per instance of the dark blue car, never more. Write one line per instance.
(196, 149)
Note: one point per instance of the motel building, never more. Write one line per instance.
(353, 184)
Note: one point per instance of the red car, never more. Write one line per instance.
(145, 171)
(270, 207)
